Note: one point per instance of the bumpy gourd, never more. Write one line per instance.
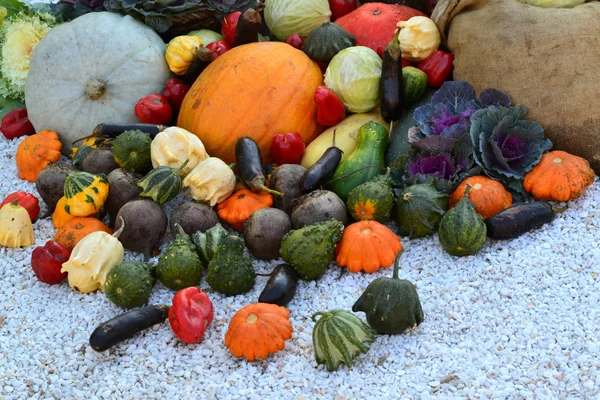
(179, 265)
(229, 271)
(92, 259)
(162, 183)
(372, 200)
(15, 226)
(419, 210)
(129, 284)
(85, 193)
(339, 336)
(173, 146)
(211, 181)
(131, 150)
(326, 40)
(36, 152)
(310, 249)
(462, 230)
(391, 304)
(181, 52)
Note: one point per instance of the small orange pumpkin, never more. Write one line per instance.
(240, 205)
(257, 330)
(488, 195)
(60, 216)
(36, 152)
(560, 176)
(76, 229)
(367, 246)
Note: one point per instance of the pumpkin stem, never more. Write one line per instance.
(397, 264)
(182, 166)
(179, 230)
(251, 318)
(117, 233)
(324, 314)
(95, 89)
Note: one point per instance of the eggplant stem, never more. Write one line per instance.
(558, 210)
(270, 191)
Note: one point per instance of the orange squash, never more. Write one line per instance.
(257, 330)
(36, 152)
(76, 229)
(240, 205)
(488, 195)
(257, 90)
(60, 216)
(560, 176)
(367, 246)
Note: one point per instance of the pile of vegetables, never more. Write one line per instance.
(304, 149)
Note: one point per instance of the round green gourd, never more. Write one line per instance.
(131, 150)
(179, 265)
(415, 84)
(162, 183)
(462, 230)
(339, 336)
(129, 284)
(372, 200)
(391, 304)
(419, 210)
(326, 40)
(229, 271)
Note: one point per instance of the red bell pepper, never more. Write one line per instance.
(47, 261)
(437, 67)
(25, 200)
(295, 40)
(154, 109)
(218, 48)
(229, 27)
(191, 313)
(16, 124)
(175, 90)
(330, 109)
(287, 148)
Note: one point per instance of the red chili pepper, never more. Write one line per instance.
(287, 148)
(437, 67)
(295, 40)
(218, 48)
(339, 8)
(190, 314)
(175, 90)
(330, 109)
(16, 124)
(47, 261)
(25, 200)
(229, 27)
(154, 109)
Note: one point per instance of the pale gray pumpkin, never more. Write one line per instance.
(91, 70)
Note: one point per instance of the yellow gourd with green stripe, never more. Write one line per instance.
(85, 193)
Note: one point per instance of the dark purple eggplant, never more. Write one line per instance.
(127, 325)
(114, 130)
(281, 286)
(392, 83)
(202, 60)
(249, 164)
(320, 172)
(519, 219)
(248, 26)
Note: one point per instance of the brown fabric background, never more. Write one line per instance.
(546, 59)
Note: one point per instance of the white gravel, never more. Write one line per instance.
(519, 320)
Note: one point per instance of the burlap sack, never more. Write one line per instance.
(547, 60)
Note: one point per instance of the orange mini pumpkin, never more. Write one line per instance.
(257, 90)
(76, 229)
(60, 216)
(488, 195)
(36, 152)
(240, 205)
(560, 176)
(367, 246)
(257, 330)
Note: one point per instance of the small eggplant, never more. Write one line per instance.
(249, 165)
(392, 83)
(519, 219)
(127, 325)
(321, 171)
(281, 286)
(114, 130)
(248, 26)
(202, 60)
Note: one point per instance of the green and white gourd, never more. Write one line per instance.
(419, 210)
(162, 183)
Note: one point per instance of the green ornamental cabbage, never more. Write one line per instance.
(284, 17)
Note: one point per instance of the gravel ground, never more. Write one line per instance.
(518, 320)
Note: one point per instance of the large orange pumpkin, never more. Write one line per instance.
(257, 90)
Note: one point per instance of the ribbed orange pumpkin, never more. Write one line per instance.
(488, 195)
(257, 90)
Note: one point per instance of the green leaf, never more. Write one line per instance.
(7, 106)
(13, 6)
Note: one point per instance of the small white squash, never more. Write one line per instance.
(91, 70)
(211, 181)
(173, 146)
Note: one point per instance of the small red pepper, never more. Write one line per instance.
(16, 124)
(330, 109)
(25, 200)
(190, 314)
(175, 90)
(437, 67)
(287, 148)
(229, 27)
(295, 40)
(154, 109)
(339, 8)
(47, 261)
(218, 48)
